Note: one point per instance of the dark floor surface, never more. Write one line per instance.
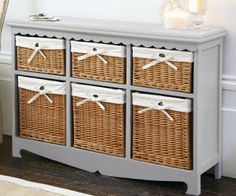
(34, 168)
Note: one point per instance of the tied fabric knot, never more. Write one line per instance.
(37, 49)
(158, 106)
(92, 98)
(95, 52)
(160, 59)
(42, 91)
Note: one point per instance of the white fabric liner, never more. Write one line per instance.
(115, 96)
(152, 53)
(44, 43)
(44, 187)
(108, 49)
(33, 84)
(150, 101)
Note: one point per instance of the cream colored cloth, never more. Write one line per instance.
(11, 189)
(11, 186)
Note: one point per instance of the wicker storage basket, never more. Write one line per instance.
(99, 119)
(163, 69)
(43, 55)
(162, 130)
(42, 110)
(101, 62)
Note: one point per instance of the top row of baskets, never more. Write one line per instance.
(151, 67)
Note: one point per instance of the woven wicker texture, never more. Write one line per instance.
(162, 76)
(42, 120)
(93, 68)
(158, 140)
(53, 64)
(99, 130)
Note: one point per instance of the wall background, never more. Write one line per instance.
(220, 13)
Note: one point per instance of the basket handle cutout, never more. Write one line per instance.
(94, 52)
(42, 91)
(160, 107)
(163, 58)
(37, 48)
(162, 55)
(93, 98)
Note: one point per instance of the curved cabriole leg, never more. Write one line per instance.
(194, 186)
(16, 153)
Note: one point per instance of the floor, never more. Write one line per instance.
(34, 168)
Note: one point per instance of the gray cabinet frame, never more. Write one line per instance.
(207, 97)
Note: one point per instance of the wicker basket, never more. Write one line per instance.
(99, 119)
(101, 62)
(162, 130)
(42, 110)
(163, 69)
(42, 55)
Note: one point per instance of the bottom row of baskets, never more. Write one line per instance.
(161, 126)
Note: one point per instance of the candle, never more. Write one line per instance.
(176, 19)
(197, 6)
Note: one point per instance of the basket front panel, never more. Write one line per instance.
(53, 64)
(162, 76)
(99, 130)
(158, 140)
(93, 68)
(42, 120)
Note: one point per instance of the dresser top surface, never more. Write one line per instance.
(124, 29)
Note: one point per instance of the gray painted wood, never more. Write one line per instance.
(128, 148)
(39, 75)
(123, 29)
(218, 167)
(69, 134)
(97, 37)
(207, 97)
(208, 53)
(105, 164)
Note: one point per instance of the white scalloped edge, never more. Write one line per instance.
(109, 39)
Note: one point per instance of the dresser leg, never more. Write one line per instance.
(218, 171)
(194, 186)
(16, 153)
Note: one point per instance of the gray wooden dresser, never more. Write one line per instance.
(206, 96)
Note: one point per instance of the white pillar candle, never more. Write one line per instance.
(197, 6)
(176, 19)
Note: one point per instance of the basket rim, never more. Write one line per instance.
(46, 43)
(152, 100)
(154, 53)
(34, 84)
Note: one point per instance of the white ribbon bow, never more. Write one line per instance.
(165, 59)
(93, 53)
(159, 107)
(42, 91)
(36, 50)
(93, 98)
